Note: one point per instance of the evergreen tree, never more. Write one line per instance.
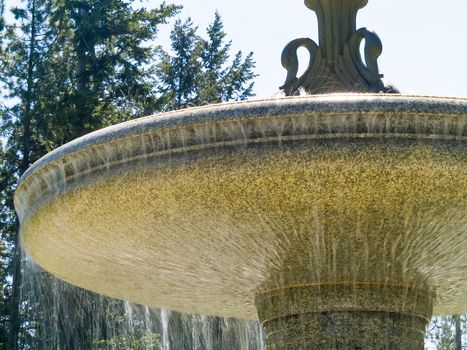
(20, 63)
(5, 222)
(448, 333)
(178, 74)
(199, 72)
(109, 64)
(68, 67)
(2, 12)
(220, 82)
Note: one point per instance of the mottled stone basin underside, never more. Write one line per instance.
(204, 209)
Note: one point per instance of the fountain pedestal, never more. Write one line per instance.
(335, 220)
(344, 316)
(338, 217)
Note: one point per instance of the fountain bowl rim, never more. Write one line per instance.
(384, 103)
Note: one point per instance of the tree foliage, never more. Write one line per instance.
(448, 333)
(199, 71)
(68, 67)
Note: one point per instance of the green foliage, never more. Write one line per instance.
(113, 63)
(104, 68)
(2, 13)
(136, 343)
(5, 222)
(198, 71)
(443, 332)
(68, 67)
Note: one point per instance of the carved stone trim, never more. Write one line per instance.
(336, 64)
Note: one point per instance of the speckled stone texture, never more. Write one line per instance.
(346, 331)
(344, 316)
(205, 209)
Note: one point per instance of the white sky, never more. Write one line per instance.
(424, 41)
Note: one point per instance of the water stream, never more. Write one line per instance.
(63, 317)
(368, 202)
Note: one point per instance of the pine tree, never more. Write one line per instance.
(449, 332)
(68, 67)
(110, 64)
(2, 12)
(199, 71)
(5, 222)
(220, 83)
(20, 67)
(178, 74)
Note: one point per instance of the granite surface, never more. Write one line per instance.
(201, 210)
(345, 316)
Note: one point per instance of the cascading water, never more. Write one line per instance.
(143, 327)
(325, 215)
(64, 317)
(338, 221)
(165, 329)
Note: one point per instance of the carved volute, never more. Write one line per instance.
(336, 64)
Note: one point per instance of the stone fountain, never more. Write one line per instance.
(339, 221)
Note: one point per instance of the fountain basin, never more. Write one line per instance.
(210, 210)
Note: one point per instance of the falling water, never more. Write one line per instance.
(332, 212)
(56, 324)
(59, 316)
(165, 329)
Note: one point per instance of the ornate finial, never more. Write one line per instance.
(336, 64)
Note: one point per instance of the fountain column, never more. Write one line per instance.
(335, 220)
(344, 316)
(341, 315)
